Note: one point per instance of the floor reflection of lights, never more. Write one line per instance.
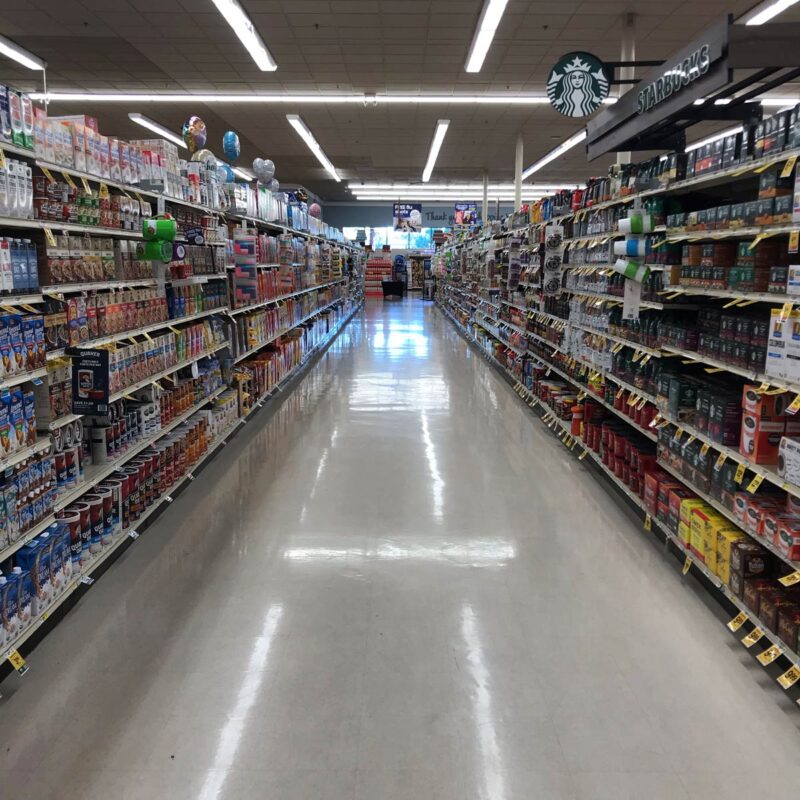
(398, 339)
(384, 391)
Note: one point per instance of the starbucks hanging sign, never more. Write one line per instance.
(577, 84)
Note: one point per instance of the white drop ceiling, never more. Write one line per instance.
(321, 46)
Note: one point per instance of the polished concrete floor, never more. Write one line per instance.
(397, 585)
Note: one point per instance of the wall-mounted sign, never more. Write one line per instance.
(466, 214)
(673, 80)
(407, 216)
(577, 84)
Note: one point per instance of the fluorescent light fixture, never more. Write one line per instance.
(779, 102)
(357, 99)
(567, 144)
(243, 27)
(490, 17)
(20, 54)
(245, 174)
(766, 11)
(448, 187)
(152, 125)
(715, 137)
(438, 137)
(305, 134)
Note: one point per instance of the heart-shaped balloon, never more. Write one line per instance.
(274, 186)
(268, 171)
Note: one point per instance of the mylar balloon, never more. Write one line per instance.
(269, 170)
(230, 145)
(203, 155)
(274, 186)
(194, 133)
(315, 211)
(229, 176)
(258, 166)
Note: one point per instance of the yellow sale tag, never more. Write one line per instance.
(49, 175)
(633, 399)
(792, 579)
(786, 309)
(790, 677)
(622, 391)
(794, 241)
(68, 178)
(645, 359)
(739, 473)
(769, 655)
(48, 234)
(704, 449)
(737, 621)
(788, 167)
(678, 434)
(648, 523)
(85, 184)
(731, 302)
(755, 241)
(687, 565)
(754, 636)
(641, 404)
(637, 355)
(583, 455)
(755, 483)
(762, 387)
(794, 406)
(18, 662)
(103, 191)
(2, 159)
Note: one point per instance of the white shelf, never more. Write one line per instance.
(280, 298)
(23, 377)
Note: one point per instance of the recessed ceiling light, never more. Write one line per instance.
(567, 144)
(152, 125)
(765, 11)
(490, 17)
(438, 137)
(308, 137)
(243, 27)
(20, 54)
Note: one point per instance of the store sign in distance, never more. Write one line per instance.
(673, 80)
(577, 84)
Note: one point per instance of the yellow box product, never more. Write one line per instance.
(684, 534)
(688, 506)
(725, 541)
(703, 521)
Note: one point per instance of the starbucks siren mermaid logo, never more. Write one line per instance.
(577, 85)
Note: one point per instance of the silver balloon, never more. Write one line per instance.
(258, 166)
(268, 171)
(274, 186)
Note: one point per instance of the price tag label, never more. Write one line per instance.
(769, 655)
(790, 677)
(133, 534)
(794, 241)
(641, 404)
(86, 580)
(705, 448)
(86, 187)
(17, 661)
(583, 455)
(792, 579)
(48, 234)
(648, 523)
(739, 473)
(678, 434)
(2, 159)
(764, 385)
(687, 565)
(788, 167)
(68, 178)
(794, 406)
(49, 175)
(103, 192)
(637, 355)
(755, 483)
(653, 422)
(691, 439)
(720, 460)
(622, 391)
(754, 636)
(633, 400)
(737, 621)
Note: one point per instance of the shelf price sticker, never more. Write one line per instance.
(769, 655)
(739, 473)
(764, 385)
(68, 178)
(633, 399)
(705, 448)
(48, 234)
(648, 522)
(17, 661)
(794, 241)
(791, 579)
(2, 159)
(687, 565)
(754, 636)
(86, 187)
(641, 404)
(737, 621)
(755, 483)
(794, 406)
(790, 677)
(720, 460)
(622, 391)
(690, 439)
(583, 455)
(49, 175)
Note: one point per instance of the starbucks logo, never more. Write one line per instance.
(577, 85)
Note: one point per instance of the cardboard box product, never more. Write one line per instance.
(787, 539)
(750, 589)
(756, 506)
(772, 602)
(789, 460)
(750, 560)
(789, 626)
(726, 538)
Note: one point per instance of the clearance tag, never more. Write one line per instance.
(687, 565)
(648, 523)
(755, 483)
(737, 621)
(791, 580)
(754, 636)
(68, 178)
(790, 677)
(704, 449)
(739, 473)
(49, 175)
(788, 167)
(769, 655)
(794, 406)
(17, 661)
(48, 234)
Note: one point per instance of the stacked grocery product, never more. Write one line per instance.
(378, 269)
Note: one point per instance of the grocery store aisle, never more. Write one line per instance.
(397, 585)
